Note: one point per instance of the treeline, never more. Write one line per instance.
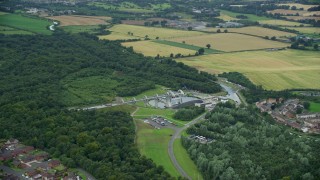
(31, 73)
(248, 146)
(188, 113)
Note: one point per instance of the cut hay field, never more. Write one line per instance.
(278, 22)
(254, 30)
(149, 48)
(307, 30)
(154, 145)
(231, 42)
(118, 36)
(80, 20)
(152, 32)
(22, 23)
(298, 5)
(276, 70)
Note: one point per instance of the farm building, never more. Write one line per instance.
(230, 24)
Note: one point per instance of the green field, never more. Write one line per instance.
(251, 17)
(314, 107)
(186, 46)
(153, 143)
(124, 6)
(146, 112)
(88, 90)
(9, 30)
(152, 92)
(276, 70)
(20, 22)
(185, 161)
(78, 29)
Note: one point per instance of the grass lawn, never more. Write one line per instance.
(20, 22)
(146, 112)
(251, 17)
(276, 70)
(185, 161)
(153, 143)
(229, 42)
(314, 107)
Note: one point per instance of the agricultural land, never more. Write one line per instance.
(80, 20)
(277, 70)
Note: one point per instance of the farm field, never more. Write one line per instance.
(278, 22)
(274, 70)
(78, 29)
(254, 30)
(307, 30)
(250, 16)
(152, 32)
(153, 143)
(231, 42)
(117, 36)
(22, 23)
(185, 161)
(304, 6)
(124, 6)
(80, 20)
(314, 107)
(149, 48)
(304, 13)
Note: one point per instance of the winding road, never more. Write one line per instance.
(176, 135)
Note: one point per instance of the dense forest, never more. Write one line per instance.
(188, 113)
(249, 146)
(32, 72)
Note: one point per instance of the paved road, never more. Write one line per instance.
(89, 176)
(176, 135)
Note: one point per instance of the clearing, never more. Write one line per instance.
(254, 30)
(153, 143)
(231, 42)
(20, 22)
(149, 48)
(151, 32)
(274, 70)
(80, 20)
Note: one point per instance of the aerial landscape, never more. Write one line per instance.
(160, 89)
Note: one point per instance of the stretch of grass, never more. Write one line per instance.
(251, 17)
(274, 70)
(20, 22)
(146, 112)
(186, 46)
(185, 161)
(152, 92)
(153, 143)
(314, 107)
(124, 7)
(9, 30)
(88, 90)
(78, 29)
(278, 22)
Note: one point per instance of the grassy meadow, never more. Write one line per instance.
(251, 17)
(22, 23)
(124, 7)
(307, 30)
(185, 161)
(230, 42)
(276, 70)
(8, 30)
(277, 22)
(80, 20)
(152, 32)
(78, 29)
(153, 143)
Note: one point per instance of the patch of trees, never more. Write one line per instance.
(31, 73)
(188, 113)
(315, 8)
(249, 146)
